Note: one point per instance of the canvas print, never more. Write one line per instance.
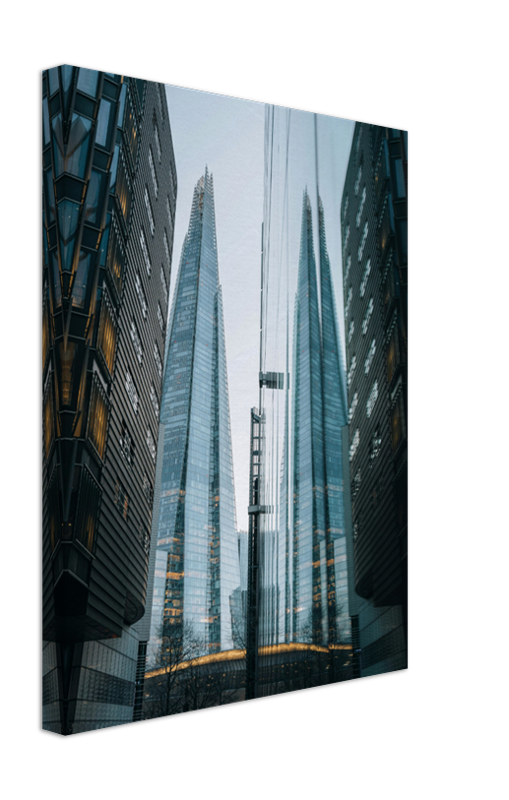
(224, 369)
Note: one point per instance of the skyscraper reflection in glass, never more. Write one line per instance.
(320, 593)
(197, 560)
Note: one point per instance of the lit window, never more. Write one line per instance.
(151, 444)
(149, 212)
(141, 295)
(97, 418)
(355, 444)
(351, 370)
(370, 357)
(367, 316)
(131, 391)
(135, 336)
(107, 334)
(363, 241)
(372, 398)
(353, 406)
(361, 207)
(365, 276)
(144, 249)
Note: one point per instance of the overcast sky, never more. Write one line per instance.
(227, 135)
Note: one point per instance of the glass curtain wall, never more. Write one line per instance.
(303, 575)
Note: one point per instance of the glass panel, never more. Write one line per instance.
(95, 196)
(50, 196)
(79, 288)
(104, 117)
(45, 122)
(400, 178)
(87, 81)
(73, 156)
(68, 216)
(67, 361)
(53, 80)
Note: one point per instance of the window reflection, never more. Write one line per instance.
(79, 288)
(53, 80)
(87, 81)
(68, 216)
(95, 195)
(104, 119)
(71, 157)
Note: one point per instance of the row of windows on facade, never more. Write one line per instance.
(122, 501)
(363, 284)
(367, 363)
(398, 432)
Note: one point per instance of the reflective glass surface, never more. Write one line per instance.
(197, 562)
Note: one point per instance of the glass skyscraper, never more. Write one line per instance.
(197, 559)
(319, 413)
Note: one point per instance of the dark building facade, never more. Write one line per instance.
(197, 587)
(109, 193)
(375, 257)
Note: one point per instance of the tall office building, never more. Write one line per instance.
(319, 413)
(109, 185)
(374, 236)
(197, 559)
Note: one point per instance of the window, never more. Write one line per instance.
(351, 370)
(135, 336)
(355, 444)
(358, 181)
(154, 400)
(345, 207)
(348, 301)
(365, 276)
(167, 248)
(168, 211)
(144, 537)
(157, 141)
(153, 171)
(87, 81)
(375, 447)
(367, 316)
(371, 355)
(356, 483)
(157, 358)
(131, 391)
(122, 499)
(147, 489)
(400, 179)
(163, 283)
(141, 295)
(126, 444)
(144, 249)
(148, 206)
(160, 316)
(347, 271)
(107, 334)
(160, 99)
(398, 423)
(361, 208)
(393, 358)
(347, 236)
(97, 418)
(372, 399)
(353, 406)
(351, 331)
(359, 140)
(363, 241)
(151, 444)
